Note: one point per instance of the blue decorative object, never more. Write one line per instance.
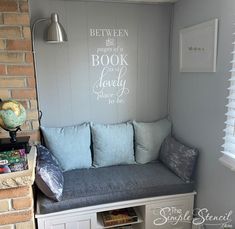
(70, 145)
(148, 139)
(12, 116)
(179, 158)
(113, 144)
(49, 177)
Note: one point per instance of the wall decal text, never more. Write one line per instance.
(111, 63)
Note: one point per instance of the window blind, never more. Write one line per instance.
(228, 157)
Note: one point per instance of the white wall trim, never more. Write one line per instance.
(170, 64)
(228, 162)
(110, 206)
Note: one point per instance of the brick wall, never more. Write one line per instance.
(17, 79)
(16, 208)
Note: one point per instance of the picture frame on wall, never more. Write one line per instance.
(198, 47)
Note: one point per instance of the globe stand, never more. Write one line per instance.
(14, 143)
(12, 134)
(20, 143)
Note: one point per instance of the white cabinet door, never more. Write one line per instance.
(72, 222)
(164, 213)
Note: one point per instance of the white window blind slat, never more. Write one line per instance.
(232, 88)
(229, 138)
(230, 122)
(229, 130)
(231, 114)
(231, 105)
(229, 147)
(231, 96)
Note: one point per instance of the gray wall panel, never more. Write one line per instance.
(198, 104)
(65, 74)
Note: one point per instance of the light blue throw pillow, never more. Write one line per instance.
(148, 139)
(113, 144)
(70, 145)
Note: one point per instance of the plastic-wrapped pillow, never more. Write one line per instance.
(49, 176)
(179, 158)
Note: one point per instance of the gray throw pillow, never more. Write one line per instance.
(179, 158)
(148, 139)
(113, 144)
(70, 145)
(49, 177)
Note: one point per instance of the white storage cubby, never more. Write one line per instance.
(147, 209)
(139, 224)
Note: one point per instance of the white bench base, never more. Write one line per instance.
(147, 208)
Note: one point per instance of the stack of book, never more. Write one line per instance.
(119, 216)
(124, 227)
(13, 161)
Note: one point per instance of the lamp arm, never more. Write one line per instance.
(40, 20)
(34, 28)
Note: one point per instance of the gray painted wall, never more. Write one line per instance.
(65, 73)
(198, 103)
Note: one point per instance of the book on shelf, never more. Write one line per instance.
(124, 227)
(13, 161)
(119, 216)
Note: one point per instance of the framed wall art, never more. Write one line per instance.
(198, 47)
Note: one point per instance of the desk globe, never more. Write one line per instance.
(12, 116)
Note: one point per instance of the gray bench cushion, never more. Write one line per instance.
(86, 187)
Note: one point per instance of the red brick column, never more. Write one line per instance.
(17, 78)
(16, 208)
(16, 197)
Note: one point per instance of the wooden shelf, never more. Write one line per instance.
(100, 224)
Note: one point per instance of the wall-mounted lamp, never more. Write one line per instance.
(54, 33)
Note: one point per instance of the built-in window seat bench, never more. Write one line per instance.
(138, 166)
(87, 192)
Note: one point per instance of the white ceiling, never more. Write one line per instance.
(132, 1)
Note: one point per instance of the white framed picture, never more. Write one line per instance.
(198, 47)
